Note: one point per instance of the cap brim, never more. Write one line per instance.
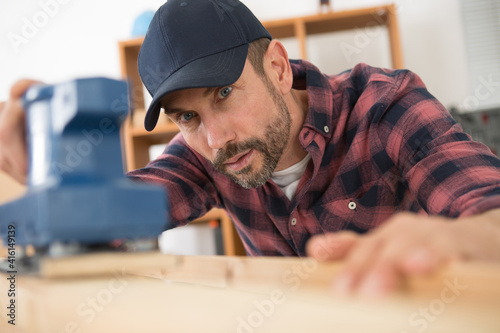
(216, 70)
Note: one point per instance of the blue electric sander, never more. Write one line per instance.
(78, 198)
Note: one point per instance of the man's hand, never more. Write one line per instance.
(406, 245)
(13, 155)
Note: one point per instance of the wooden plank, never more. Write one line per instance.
(303, 26)
(394, 38)
(247, 272)
(232, 242)
(103, 264)
(224, 270)
(280, 29)
(329, 22)
(165, 128)
(128, 304)
(230, 294)
(127, 146)
(301, 35)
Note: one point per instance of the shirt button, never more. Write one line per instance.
(294, 221)
(326, 129)
(352, 205)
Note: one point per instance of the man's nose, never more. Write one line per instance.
(219, 132)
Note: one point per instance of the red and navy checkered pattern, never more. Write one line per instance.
(380, 143)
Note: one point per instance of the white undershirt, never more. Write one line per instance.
(288, 179)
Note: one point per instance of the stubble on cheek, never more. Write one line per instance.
(233, 149)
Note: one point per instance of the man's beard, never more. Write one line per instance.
(271, 148)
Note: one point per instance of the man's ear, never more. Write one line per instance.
(278, 67)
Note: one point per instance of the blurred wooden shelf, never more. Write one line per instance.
(333, 21)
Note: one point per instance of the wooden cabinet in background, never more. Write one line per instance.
(137, 140)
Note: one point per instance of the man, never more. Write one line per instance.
(291, 153)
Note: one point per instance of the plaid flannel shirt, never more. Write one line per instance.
(380, 144)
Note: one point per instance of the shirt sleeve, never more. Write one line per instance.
(447, 172)
(183, 174)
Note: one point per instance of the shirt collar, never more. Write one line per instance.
(319, 117)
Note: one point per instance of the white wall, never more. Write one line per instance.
(79, 38)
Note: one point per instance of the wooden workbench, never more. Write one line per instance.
(151, 292)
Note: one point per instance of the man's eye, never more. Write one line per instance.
(224, 92)
(186, 116)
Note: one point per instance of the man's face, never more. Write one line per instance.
(242, 129)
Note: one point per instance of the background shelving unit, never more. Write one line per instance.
(137, 140)
(302, 27)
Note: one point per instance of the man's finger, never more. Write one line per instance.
(380, 273)
(418, 261)
(356, 264)
(19, 88)
(331, 246)
(13, 157)
(13, 172)
(379, 281)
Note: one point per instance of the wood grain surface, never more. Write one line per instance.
(152, 292)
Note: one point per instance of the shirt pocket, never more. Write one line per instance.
(357, 214)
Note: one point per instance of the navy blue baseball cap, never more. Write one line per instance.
(195, 44)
